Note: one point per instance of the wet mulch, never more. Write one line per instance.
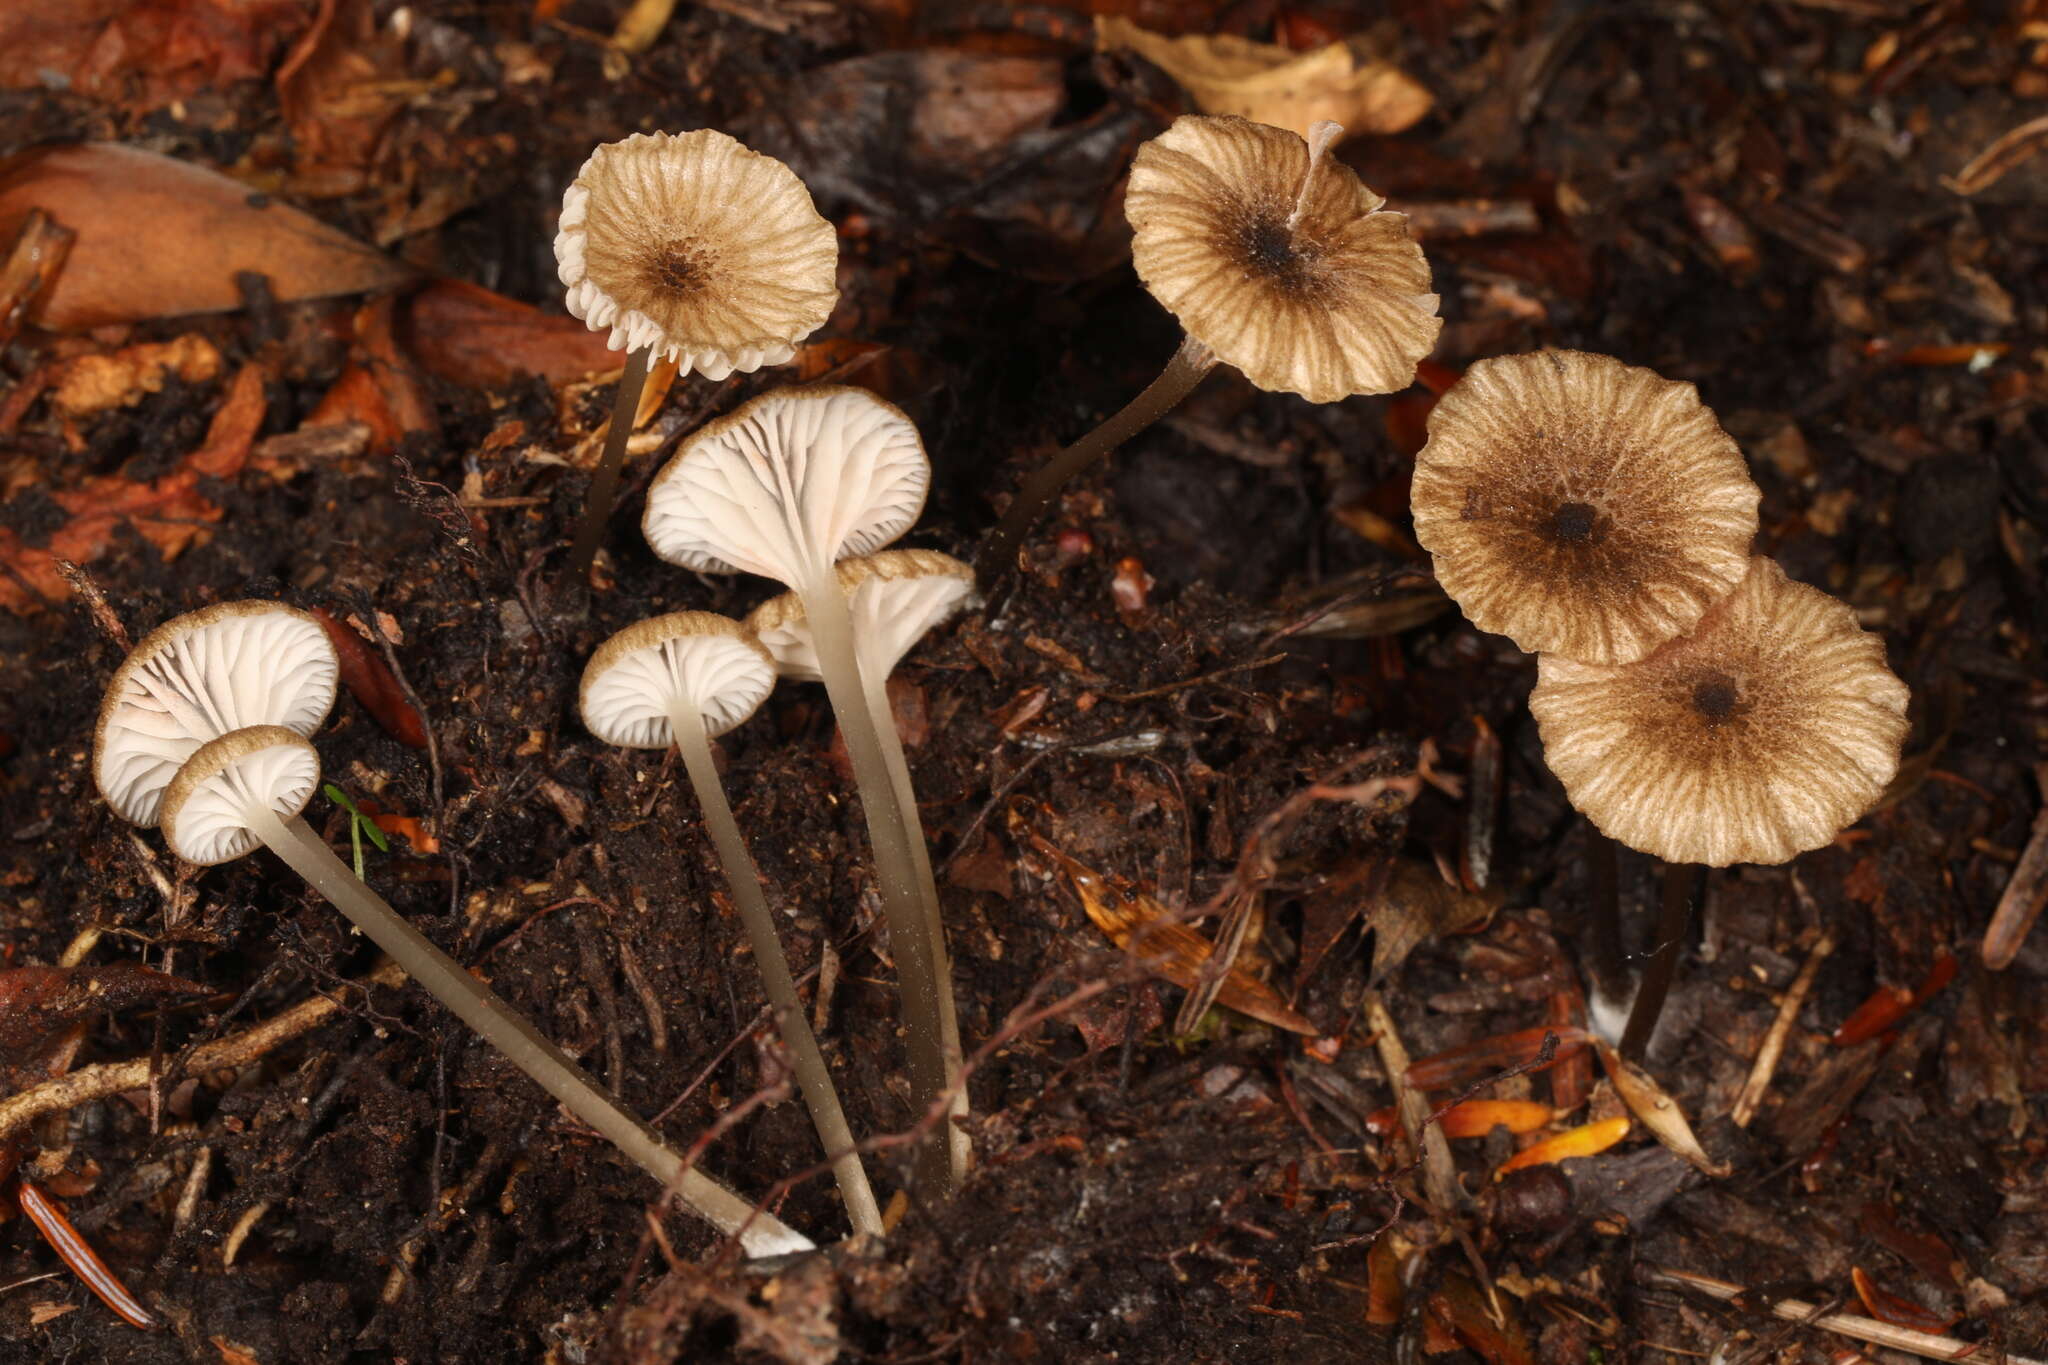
(1784, 203)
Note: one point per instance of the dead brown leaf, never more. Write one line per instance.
(143, 54)
(203, 229)
(1417, 905)
(95, 383)
(468, 335)
(1269, 84)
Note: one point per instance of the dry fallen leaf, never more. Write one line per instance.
(1587, 1139)
(1660, 1113)
(1137, 922)
(467, 335)
(1268, 84)
(1417, 905)
(203, 229)
(117, 379)
(141, 56)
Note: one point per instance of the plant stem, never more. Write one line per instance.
(1600, 944)
(743, 879)
(1683, 882)
(760, 1233)
(874, 679)
(1189, 365)
(897, 837)
(604, 483)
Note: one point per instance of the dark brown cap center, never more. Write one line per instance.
(678, 268)
(1716, 698)
(1574, 523)
(1271, 249)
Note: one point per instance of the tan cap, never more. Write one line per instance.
(1580, 506)
(1275, 257)
(206, 807)
(1762, 734)
(695, 247)
(709, 662)
(198, 676)
(787, 484)
(895, 598)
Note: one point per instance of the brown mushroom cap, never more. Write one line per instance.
(1276, 258)
(1762, 734)
(699, 248)
(1580, 506)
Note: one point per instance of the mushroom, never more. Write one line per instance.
(247, 788)
(1277, 260)
(1582, 507)
(896, 597)
(1761, 734)
(198, 676)
(685, 679)
(785, 486)
(691, 247)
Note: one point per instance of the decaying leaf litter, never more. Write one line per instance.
(1221, 693)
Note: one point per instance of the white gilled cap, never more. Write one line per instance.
(708, 662)
(696, 248)
(895, 597)
(197, 677)
(206, 806)
(788, 483)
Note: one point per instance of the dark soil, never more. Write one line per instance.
(1747, 196)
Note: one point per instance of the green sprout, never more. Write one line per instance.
(359, 824)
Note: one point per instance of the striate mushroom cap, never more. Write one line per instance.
(206, 806)
(1274, 256)
(711, 662)
(697, 248)
(788, 483)
(1762, 734)
(195, 678)
(1580, 506)
(896, 597)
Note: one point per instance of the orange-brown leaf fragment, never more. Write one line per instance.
(1895, 1309)
(202, 230)
(370, 681)
(1136, 923)
(1586, 1140)
(1475, 1118)
(1459, 1067)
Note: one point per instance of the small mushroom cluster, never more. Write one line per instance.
(206, 731)
(805, 486)
(1695, 702)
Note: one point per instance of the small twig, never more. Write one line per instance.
(95, 603)
(1197, 681)
(1847, 1324)
(1766, 1065)
(112, 1078)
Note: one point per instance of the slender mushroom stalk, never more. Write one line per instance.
(894, 597)
(785, 486)
(694, 248)
(1277, 261)
(248, 787)
(671, 680)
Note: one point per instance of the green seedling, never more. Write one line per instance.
(359, 824)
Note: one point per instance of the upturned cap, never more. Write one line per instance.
(695, 247)
(206, 806)
(198, 676)
(708, 662)
(788, 483)
(1582, 507)
(894, 597)
(1763, 733)
(1274, 256)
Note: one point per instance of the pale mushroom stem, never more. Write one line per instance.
(1684, 883)
(604, 483)
(1189, 366)
(760, 1233)
(902, 868)
(744, 881)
